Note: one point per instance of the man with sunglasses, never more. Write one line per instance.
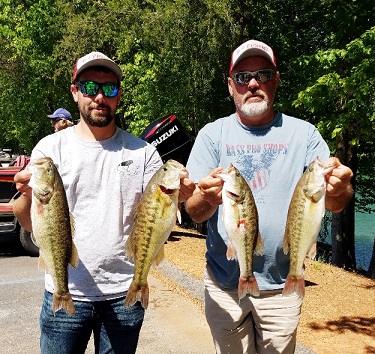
(271, 150)
(105, 171)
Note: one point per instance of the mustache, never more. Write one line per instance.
(255, 92)
(100, 105)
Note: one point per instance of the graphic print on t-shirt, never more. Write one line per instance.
(255, 162)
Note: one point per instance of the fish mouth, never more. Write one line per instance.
(232, 195)
(43, 197)
(167, 191)
(327, 168)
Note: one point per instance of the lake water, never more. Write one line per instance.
(364, 238)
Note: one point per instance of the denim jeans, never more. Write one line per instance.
(115, 327)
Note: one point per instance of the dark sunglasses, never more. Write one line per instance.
(91, 88)
(244, 77)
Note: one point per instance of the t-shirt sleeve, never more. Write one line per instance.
(47, 147)
(317, 147)
(204, 155)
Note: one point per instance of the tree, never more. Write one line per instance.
(344, 95)
(175, 56)
(29, 30)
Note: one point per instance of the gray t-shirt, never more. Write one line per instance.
(271, 158)
(104, 181)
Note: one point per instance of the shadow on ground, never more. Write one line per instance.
(359, 325)
(10, 246)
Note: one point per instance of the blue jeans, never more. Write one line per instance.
(115, 327)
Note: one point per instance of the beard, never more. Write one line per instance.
(99, 119)
(251, 109)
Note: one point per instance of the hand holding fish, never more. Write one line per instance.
(339, 190)
(21, 179)
(240, 218)
(53, 228)
(305, 214)
(211, 188)
(22, 204)
(187, 186)
(154, 219)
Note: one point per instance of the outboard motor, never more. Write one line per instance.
(172, 142)
(170, 139)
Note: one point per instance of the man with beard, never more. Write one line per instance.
(271, 150)
(105, 171)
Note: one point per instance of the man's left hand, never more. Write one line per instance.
(338, 190)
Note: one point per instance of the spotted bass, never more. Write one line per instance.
(240, 218)
(155, 217)
(305, 214)
(53, 228)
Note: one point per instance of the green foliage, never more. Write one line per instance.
(29, 31)
(344, 97)
(175, 57)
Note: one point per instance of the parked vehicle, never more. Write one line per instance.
(8, 222)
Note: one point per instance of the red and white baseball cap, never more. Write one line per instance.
(251, 48)
(95, 59)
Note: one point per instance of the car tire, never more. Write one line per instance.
(28, 242)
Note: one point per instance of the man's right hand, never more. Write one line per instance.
(211, 188)
(21, 179)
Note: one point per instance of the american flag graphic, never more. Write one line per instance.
(260, 180)
(257, 171)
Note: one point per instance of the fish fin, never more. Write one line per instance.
(223, 214)
(259, 247)
(312, 252)
(129, 249)
(136, 293)
(144, 296)
(72, 224)
(286, 244)
(41, 263)
(63, 302)
(248, 286)
(294, 284)
(159, 257)
(231, 252)
(132, 295)
(74, 258)
(179, 216)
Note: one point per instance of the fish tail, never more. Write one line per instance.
(65, 302)
(144, 296)
(248, 286)
(136, 293)
(294, 284)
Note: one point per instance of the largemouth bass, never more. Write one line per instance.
(240, 218)
(305, 214)
(53, 228)
(155, 217)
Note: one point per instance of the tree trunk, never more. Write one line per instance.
(342, 229)
(342, 233)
